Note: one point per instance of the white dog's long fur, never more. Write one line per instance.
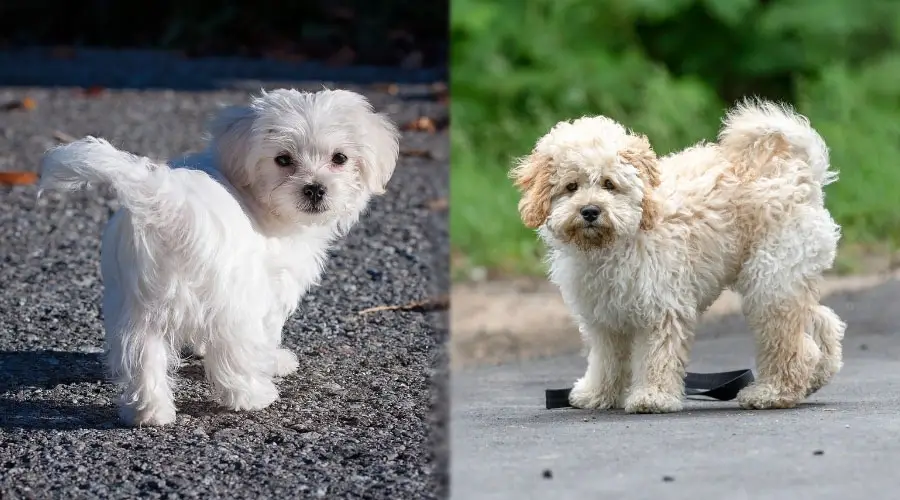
(216, 253)
(745, 213)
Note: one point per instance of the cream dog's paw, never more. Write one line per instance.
(764, 396)
(590, 397)
(647, 400)
(825, 371)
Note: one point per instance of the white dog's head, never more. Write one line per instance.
(306, 158)
(588, 182)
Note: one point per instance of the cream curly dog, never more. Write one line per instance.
(640, 246)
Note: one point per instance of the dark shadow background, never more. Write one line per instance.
(201, 44)
(46, 369)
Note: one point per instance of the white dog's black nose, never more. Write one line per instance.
(314, 192)
(590, 213)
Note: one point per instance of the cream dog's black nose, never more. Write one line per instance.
(315, 192)
(590, 213)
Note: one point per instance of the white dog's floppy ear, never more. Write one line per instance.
(640, 154)
(532, 176)
(381, 148)
(232, 132)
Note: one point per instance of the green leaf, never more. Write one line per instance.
(730, 12)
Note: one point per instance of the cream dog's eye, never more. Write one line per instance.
(608, 184)
(339, 158)
(572, 186)
(284, 160)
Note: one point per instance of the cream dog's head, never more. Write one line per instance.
(306, 158)
(588, 182)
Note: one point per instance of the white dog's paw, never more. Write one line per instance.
(256, 395)
(590, 397)
(149, 416)
(648, 400)
(286, 362)
(763, 396)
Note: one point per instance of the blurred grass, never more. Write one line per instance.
(669, 69)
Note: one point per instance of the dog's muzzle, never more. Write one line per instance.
(590, 213)
(314, 193)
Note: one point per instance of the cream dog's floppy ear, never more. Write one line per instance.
(639, 153)
(532, 177)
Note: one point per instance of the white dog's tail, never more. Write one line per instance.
(757, 127)
(136, 180)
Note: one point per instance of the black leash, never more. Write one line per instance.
(723, 386)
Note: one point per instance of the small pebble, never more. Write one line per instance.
(819, 452)
(332, 387)
(548, 474)
(668, 479)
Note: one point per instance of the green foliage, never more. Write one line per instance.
(669, 69)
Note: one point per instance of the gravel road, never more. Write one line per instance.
(359, 419)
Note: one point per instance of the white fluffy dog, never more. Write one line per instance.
(640, 246)
(215, 255)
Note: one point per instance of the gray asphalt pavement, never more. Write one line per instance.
(358, 420)
(843, 443)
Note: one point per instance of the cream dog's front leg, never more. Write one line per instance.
(663, 355)
(608, 374)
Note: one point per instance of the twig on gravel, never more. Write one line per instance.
(441, 92)
(17, 178)
(63, 137)
(93, 91)
(27, 104)
(418, 153)
(390, 88)
(438, 205)
(427, 124)
(421, 124)
(441, 303)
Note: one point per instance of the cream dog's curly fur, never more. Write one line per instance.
(640, 246)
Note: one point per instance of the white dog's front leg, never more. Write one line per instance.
(238, 364)
(605, 382)
(199, 349)
(139, 361)
(659, 381)
(285, 362)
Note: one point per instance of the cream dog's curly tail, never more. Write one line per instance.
(759, 128)
(139, 183)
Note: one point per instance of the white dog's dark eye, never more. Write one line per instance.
(608, 184)
(339, 158)
(284, 160)
(572, 186)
